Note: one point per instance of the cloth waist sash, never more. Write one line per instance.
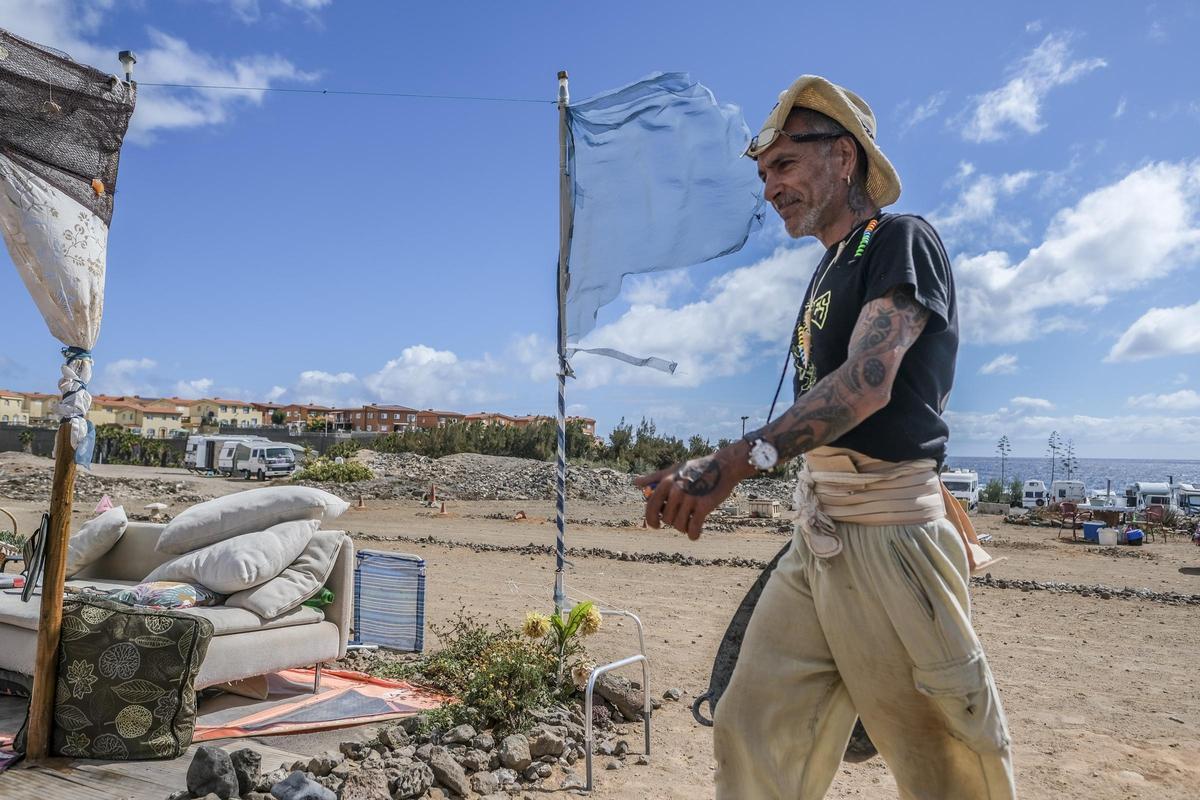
(842, 485)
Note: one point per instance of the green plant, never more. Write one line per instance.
(329, 471)
(278, 417)
(993, 492)
(8, 537)
(498, 675)
(563, 634)
(346, 449)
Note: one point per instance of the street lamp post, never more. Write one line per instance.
(744, 418)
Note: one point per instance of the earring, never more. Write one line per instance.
(847, 180)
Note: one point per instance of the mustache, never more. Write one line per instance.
(784, 200)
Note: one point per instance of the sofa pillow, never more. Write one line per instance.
(300, 581)
(242, 561)
(245, 512)
(95, 538)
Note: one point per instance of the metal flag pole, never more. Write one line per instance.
(565, 213)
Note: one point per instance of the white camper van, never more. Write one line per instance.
(1068, 492)
(1187, 498)
(261, 459)
(202, 453)
(963, 485)
(1034, 494)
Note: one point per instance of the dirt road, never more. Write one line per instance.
(1103, 696)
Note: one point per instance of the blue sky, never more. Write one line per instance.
(347, 249)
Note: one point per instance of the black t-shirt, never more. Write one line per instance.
(901, 250)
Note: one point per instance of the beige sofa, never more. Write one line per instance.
(243, 644)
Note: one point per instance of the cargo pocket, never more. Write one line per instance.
(965, 694)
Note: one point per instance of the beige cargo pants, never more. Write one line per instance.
(881, 631)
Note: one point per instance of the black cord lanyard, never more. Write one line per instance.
(799, 317)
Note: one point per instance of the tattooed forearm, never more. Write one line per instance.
(886, 329)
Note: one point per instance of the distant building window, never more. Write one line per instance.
(370, 427)
(245, 409)
(358, 415)
(224, 409)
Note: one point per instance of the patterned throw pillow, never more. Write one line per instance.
(165, 594)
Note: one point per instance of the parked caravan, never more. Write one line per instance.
(1034, 494)
(1143, 494)
(1068, 492)
(202, 452)
(1187, 499)
(963, 485)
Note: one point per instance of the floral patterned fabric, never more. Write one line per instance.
(125, 680)
(165, 594)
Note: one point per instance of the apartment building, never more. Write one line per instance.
(429, 418)
(12, 408)
(222, 411)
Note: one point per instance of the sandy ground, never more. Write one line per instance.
(1102, 696)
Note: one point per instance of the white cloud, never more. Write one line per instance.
(193, 389)
(1018, 103)
(424, 377)
(1036, 403)
(926, 110)
(1034, 26)
(1183, 400)
(275, 393)
(72, 26)
(1180, 378)
(307, 5)
(743, 316)
(1113, 240)
(1121, 436)
(327, 388)
(1003, 364)
(655, 288)
(976, 204)
(125, 376)
(1120, 111)
(1160, 332)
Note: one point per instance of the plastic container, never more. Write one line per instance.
(1107, 536)
(1134, 537)
(1091, 531)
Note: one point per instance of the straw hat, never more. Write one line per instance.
(851, 112)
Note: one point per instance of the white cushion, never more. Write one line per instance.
(95, 538)
(242, 561)
(245, 512)
(300, 581)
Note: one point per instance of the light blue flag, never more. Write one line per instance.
(659, 183)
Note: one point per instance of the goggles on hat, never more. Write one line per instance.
(767, 136)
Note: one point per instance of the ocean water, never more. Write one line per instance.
(1094, 472)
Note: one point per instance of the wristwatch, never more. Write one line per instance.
(763, 455)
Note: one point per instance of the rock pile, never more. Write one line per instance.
(35, 486)
(1096, 590)
(402, 764)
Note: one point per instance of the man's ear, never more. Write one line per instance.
(848, 154)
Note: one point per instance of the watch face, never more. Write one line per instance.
(763, 455)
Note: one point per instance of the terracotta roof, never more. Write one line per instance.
(388, 407)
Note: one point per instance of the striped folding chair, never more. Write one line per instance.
(389, 601)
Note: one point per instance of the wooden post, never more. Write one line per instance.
(45, 672)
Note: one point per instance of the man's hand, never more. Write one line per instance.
(687, 493)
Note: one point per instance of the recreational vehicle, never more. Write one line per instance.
(963, 485)
(1068, 492)
(1187, 499)
(260, 459)
(1034, 494)
(1143, 494)
(202, 453)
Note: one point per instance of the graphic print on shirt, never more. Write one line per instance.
(814, 316)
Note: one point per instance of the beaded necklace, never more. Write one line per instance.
(805, 333)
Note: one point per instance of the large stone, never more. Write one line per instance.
(485, 783)
(270, 779)
(505, 776)
(620, 692)
(545, 742)
(211, 770)
(247, 766)
(412, 781)
(474, 760)
(365, 784)
(461, 734)
(394, 737)
(514, 752)
(484, 741)
(424, 751)
(448, 772)
(323, 764)
(299, 786)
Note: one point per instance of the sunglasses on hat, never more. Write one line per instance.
(767, 136)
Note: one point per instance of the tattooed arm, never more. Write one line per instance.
(886, 329)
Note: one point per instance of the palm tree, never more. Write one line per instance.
(1003, 448)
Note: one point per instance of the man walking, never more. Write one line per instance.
(868, 613)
